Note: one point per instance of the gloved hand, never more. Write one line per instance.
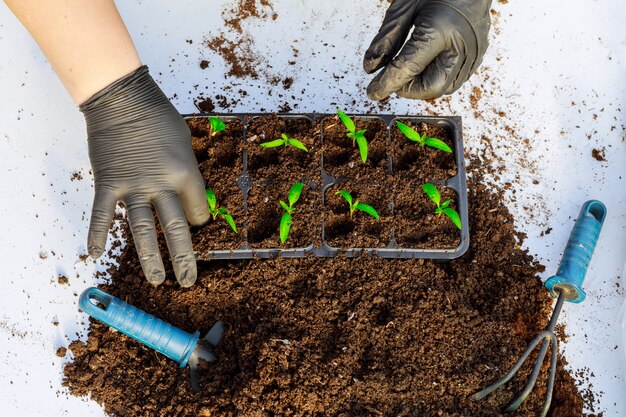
(445, 48)
(140, 152)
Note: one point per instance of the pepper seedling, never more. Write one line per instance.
(217, 125)
(356, 136)
(442, 208)
(285, 221)
(221, 211)
(423, 140)
(285, 141)
(357, 205)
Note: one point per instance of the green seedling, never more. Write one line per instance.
(217, 125)
(358, 137)
(442, 208)
(286, 219)
(357, 205)
(221, 211)
(423, 140)
(285, 141)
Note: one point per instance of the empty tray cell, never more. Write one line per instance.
(264, 162)
(341, 156)
(423, 163)
(360, 230)
(265, 212)
(415, 223)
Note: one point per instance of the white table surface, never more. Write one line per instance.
(556, 68)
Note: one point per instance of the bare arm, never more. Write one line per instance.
(85, 41)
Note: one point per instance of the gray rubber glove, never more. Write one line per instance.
(446, 47)
(140, 152)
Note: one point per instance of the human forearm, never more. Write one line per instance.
(86, 42)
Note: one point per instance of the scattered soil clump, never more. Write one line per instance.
(598, 154)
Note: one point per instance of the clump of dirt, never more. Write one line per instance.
(343, 337)
(234, 44)
(61, 352)
(598, 154)
(63, 280)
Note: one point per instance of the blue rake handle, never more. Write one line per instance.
(171, 341)
(570, 276)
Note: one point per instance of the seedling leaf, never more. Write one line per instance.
(438, 144)
(368, 209)
(285, 226)
(432, 193)
(226, 215)
(297, 144)
(362, 142)
(445, 204)
(409, 132)
(346, 121)
(454, 216)
(273, 144)
(294, 193)
(211, 199)
(285, 206)
(216, 125)
(345, 195)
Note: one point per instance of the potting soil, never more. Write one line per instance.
(336, 337)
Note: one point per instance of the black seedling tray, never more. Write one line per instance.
(457, 183)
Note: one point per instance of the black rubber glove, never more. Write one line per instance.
(140, 152)
(445, 48)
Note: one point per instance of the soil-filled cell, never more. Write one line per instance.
(341, 155)
(415, 221)
(265, 213)
(423, 163)
(221, 165)
(360, 230)
(263, 161)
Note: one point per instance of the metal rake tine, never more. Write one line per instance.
(547, 337)
(491, 388)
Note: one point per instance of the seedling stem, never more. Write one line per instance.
(422, 140)
(355, 205)
(356, 136)
(285, 141)
(287, 218)
(442, 208)
(221, 211)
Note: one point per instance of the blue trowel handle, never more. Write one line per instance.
(582, 241)
(157, 334)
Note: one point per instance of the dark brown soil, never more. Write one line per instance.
(335, 337)
(417, 225)
(422, 163)
(265, 213)
(342, 158)
(221, 165)
(361, 230)
(598, 154)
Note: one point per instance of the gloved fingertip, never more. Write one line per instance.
(376, 92)
(200, 216)
(95, 251)
(372, 62)
(186, 270)
(187, 280)
(156, 277)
